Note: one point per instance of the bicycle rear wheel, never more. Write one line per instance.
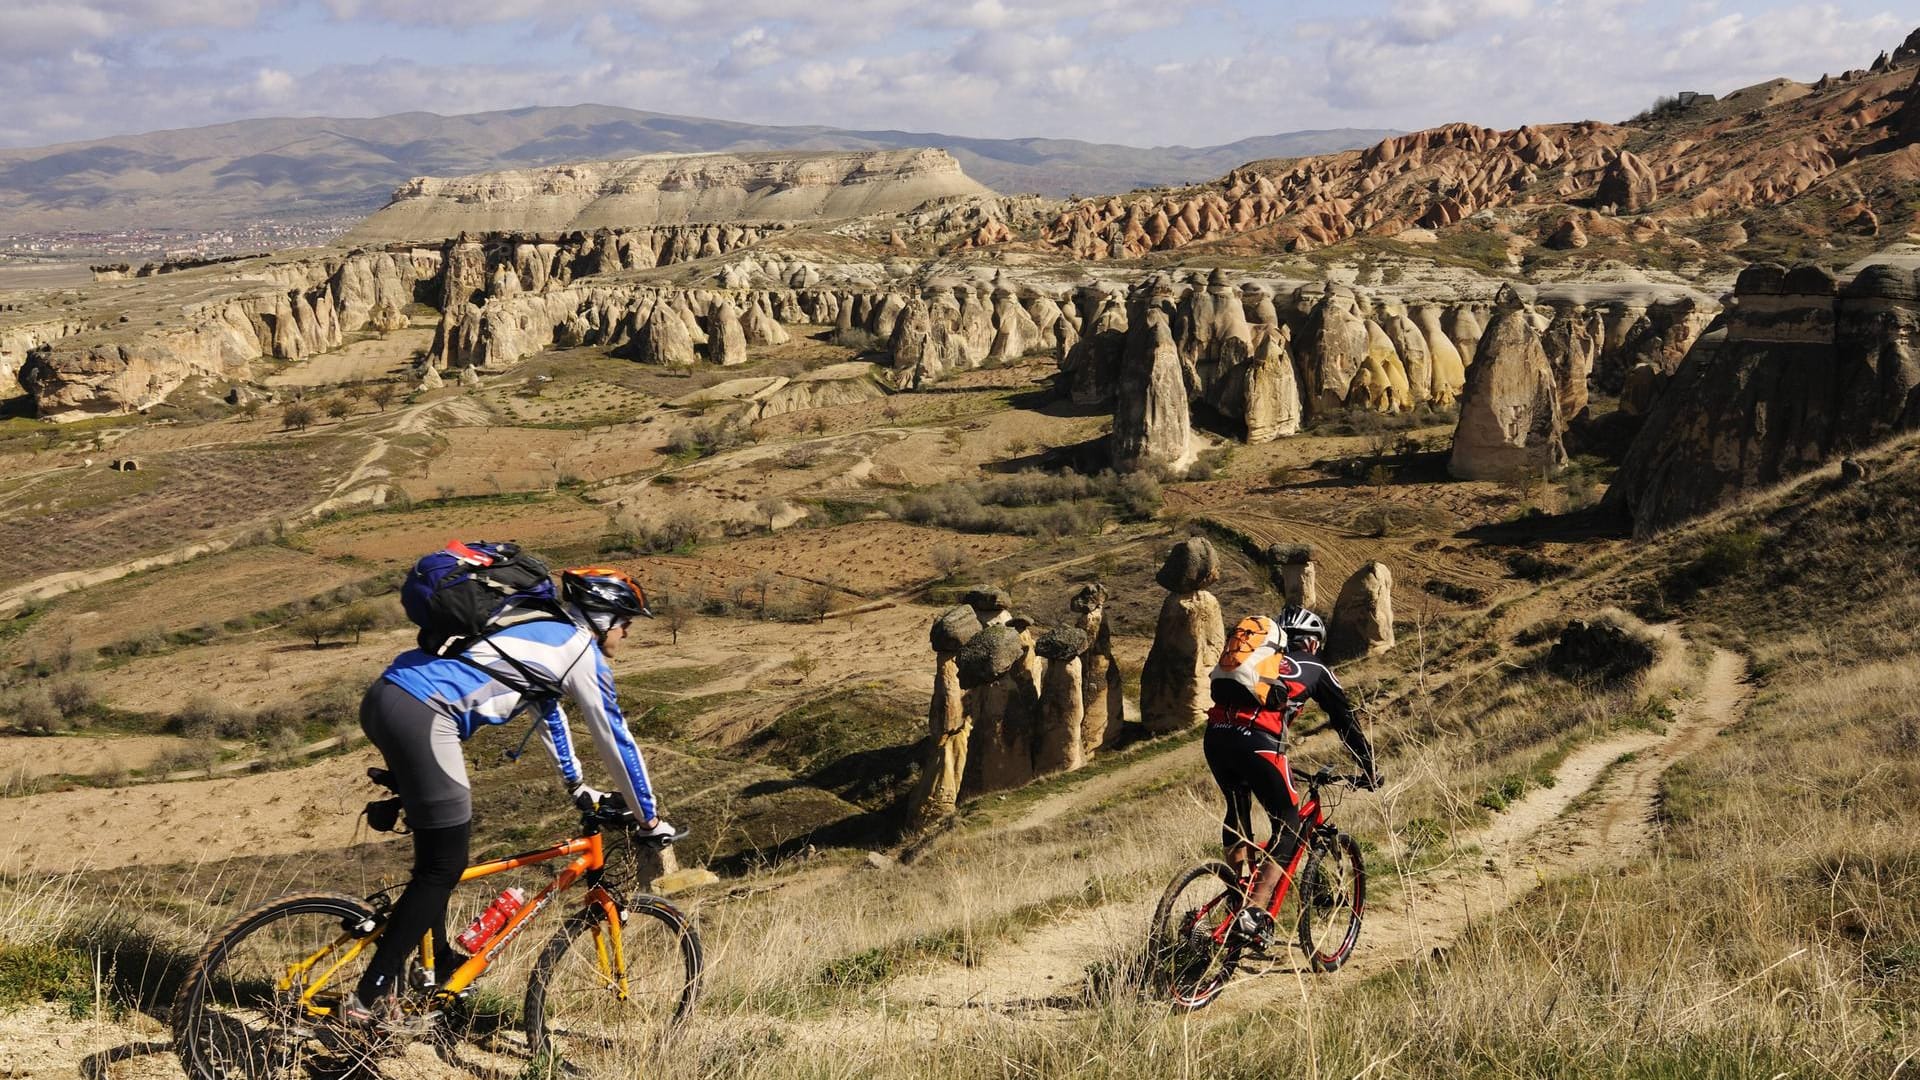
(260, 1001)
(1333, 896)
(1191, 950)
(578, 1020)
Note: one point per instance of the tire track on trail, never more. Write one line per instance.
(1600, 808)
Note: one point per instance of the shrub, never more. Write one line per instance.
(33, 711)
(315, 626)
(854, 338)
(72, 697)
(1723, 557)
(339, 408)
(297, 416)
(708, 438)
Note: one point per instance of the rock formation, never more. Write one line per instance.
(1059, 745)
(589, 195)
(1335, 345)
(726, 338)
(1151, 427)
(1003, 707)
(1090, 369)
(1362, 623)
(944, 763)
(1299, 577)
(1628, 185)
(1174, 691)
(1802, 371)
(1102, 706)
(666, 340)
(1510, 419)
(1449, 368)
(1271, 404)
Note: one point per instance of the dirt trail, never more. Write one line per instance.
(1598, 809)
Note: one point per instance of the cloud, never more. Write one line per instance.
(1140, 71)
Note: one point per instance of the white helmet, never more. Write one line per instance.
(1299, 623)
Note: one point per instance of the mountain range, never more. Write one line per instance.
(290, 169)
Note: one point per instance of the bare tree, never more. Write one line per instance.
(771, 507)
(763, 580)
(677, 612)
(820, 600)
(296, 417)
(383, 394)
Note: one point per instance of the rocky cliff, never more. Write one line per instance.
(1804, 368)
(286, 308)
(668, 189)
(1840, 152)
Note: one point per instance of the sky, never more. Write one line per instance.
(1143, 72)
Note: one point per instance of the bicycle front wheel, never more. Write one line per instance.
(1333, 895)
(583, 1018)
(1191, 949)
(262, 999)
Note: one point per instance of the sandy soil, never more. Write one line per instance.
(303, 809)
(377, 357)
(250, 673)
(30, 757)
(400, 537)
(211, 590)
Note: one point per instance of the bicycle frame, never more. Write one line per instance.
(588, 859)
(1312, 820)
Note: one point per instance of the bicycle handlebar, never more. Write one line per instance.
(1325, 776)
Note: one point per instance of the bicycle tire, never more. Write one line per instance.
(1189, 973)
(662, 1002)
(208, 1032)
(1347, 892)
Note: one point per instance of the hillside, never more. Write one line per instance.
(293, 168)
(1570, 876)
(1779, 169)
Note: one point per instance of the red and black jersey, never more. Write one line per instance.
(1305, 678)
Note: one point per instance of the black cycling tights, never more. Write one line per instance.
(439, 857)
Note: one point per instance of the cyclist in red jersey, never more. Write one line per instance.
(1267, 674)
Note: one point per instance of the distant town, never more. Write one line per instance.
(261, 235)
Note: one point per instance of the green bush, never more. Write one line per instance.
(1724, 556)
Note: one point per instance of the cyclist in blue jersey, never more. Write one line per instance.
(424, 706)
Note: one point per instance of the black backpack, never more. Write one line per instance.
(468, 590)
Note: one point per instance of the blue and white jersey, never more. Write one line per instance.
(482, 688)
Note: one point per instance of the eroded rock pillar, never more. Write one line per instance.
(1174, 691)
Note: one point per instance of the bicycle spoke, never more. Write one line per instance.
(591, 1021)
(1191, 952)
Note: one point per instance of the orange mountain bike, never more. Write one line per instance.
(263, 998)
(1196, 942)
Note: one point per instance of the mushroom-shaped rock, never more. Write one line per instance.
(1058, 745)
(1363, 614)
(945, 759)
(1191, 565)
(1299, 578)
(954, 628)
(1187, 639)
(1062, 643)
(990, 603)
(989, 654)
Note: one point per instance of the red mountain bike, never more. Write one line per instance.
(1195, 943)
